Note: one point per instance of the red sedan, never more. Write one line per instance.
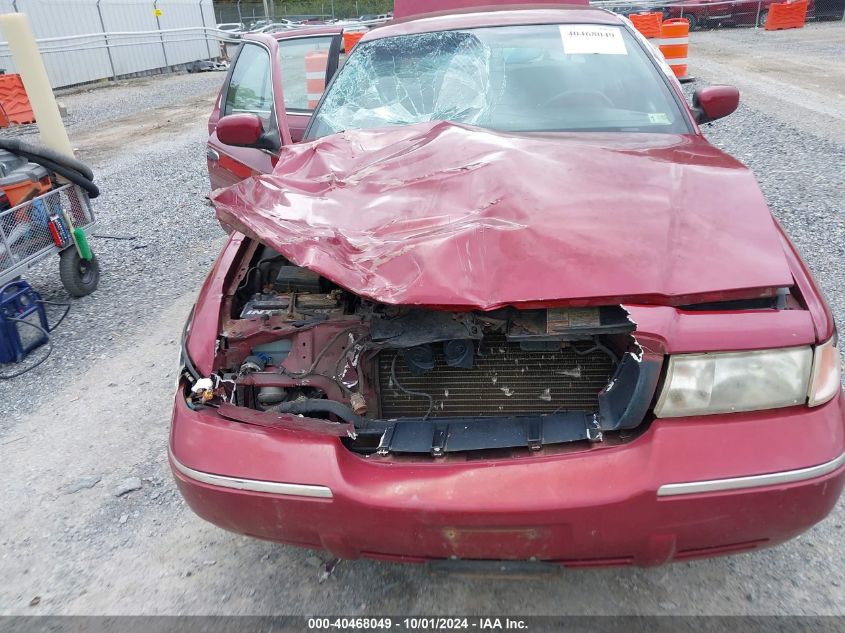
(504, 302)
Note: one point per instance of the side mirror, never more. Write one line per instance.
(245, 130)
(714, 102)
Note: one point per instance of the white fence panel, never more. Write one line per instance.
(210, 22)
(56, 18)
(87, 40)
(209, 19)
(132, 54)
(185, 46)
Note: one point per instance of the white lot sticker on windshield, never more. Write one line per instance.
(585, 39)
(660, 118)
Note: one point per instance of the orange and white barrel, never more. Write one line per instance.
(315, 76)
(674, 44)
(647, 23)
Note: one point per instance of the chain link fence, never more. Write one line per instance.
(251, 12)
(702, 14)
(710, 14)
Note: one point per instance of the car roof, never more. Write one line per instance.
(494, 16)
(298, 31)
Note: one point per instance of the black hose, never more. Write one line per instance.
(318, 405)
(66, 306)
(36, 152)
(71, 174)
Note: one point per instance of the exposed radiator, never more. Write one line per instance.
(505, 380)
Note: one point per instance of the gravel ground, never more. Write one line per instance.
(90, 106)
(796, 76)
(95, 416)
(154, 195)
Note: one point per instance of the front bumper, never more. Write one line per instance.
(641, 503)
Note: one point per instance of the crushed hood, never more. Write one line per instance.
(453, 216)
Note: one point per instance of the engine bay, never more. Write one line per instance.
(394, 380)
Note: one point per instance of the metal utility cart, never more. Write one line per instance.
(45, 225)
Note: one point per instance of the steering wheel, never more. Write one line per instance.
(593, 96)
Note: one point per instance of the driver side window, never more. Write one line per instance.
(250, 88)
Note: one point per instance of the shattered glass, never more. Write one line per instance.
(416, 79)
(520, 78)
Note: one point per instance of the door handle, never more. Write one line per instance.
(212, 154)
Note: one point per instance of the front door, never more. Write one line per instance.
(248, 89)
(307, 64)
(281, 79)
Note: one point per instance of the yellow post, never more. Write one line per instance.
(30, 66)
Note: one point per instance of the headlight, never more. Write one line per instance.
(826, 381)
(726, 382)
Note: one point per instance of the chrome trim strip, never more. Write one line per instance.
(752, 481)
(252, 485)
